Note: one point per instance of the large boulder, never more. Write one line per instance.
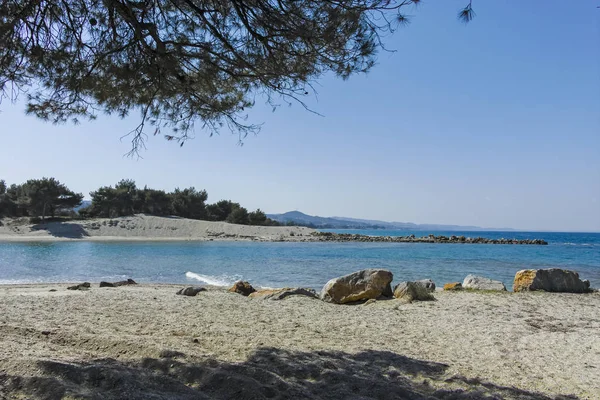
(550, 280)
(280, 294)
(362, 285)
(412, 291)
(481, 283)
(242, 287)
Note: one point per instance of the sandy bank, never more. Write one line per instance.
(145, 342)
(148, 228)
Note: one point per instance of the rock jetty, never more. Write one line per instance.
(348, 237)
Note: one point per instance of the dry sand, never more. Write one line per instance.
(146, 227)
(145, 342)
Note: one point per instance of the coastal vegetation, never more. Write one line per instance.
(39, 198)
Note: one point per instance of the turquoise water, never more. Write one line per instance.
(295, 264)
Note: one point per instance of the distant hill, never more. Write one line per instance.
(84, 204)
(299, 218)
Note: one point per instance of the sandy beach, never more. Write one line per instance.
(147, 228)
(145, 342)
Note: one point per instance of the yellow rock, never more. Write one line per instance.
(453, 286)
(524, 280)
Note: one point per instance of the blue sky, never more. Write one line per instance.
(495, 124)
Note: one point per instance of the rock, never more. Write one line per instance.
(282, 294)
(243, 288)
(81, 286)
(388, 292)
(264, 292)
(191, 291)
(412, 291)
(453, 286)
(52, 290)
(550, 280)
(120, 283)
(361, 285)
(481, 283)
(427, 284)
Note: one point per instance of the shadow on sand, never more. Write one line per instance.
(62, 229)
(269, 373)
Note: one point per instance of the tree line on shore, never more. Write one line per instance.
(47, 197)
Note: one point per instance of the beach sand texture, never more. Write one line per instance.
(147, 227)
(145, 342)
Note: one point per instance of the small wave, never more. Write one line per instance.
(581, 244)
(222, 280)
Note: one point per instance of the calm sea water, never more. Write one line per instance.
(295, 264)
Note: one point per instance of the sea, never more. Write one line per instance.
(285, 264)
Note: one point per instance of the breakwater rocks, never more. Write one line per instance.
(348, 237)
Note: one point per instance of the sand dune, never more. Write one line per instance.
(145, 342)
(145, 227)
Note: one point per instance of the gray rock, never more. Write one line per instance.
(81, 286)
(481, 283)
(191, 291)
(412, 291)
(116, 284)
(427, 284)
(586, 283)
(282, 294)
(550, 280)
(357, 286)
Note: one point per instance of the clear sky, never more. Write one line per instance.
(494, 124)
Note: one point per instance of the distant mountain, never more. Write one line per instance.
(84, 204)
(299, 218)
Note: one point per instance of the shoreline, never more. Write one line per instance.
(317, 239)
(146, 228)
(146, 341)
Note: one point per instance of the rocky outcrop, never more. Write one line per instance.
(81, 286)
(480, 283)
(550, 280)
(242, 287)
(191, 291)
(116, 284)
(453, 286)
(347, 237)
(361, 285)
(280, 294)
(412, 291)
